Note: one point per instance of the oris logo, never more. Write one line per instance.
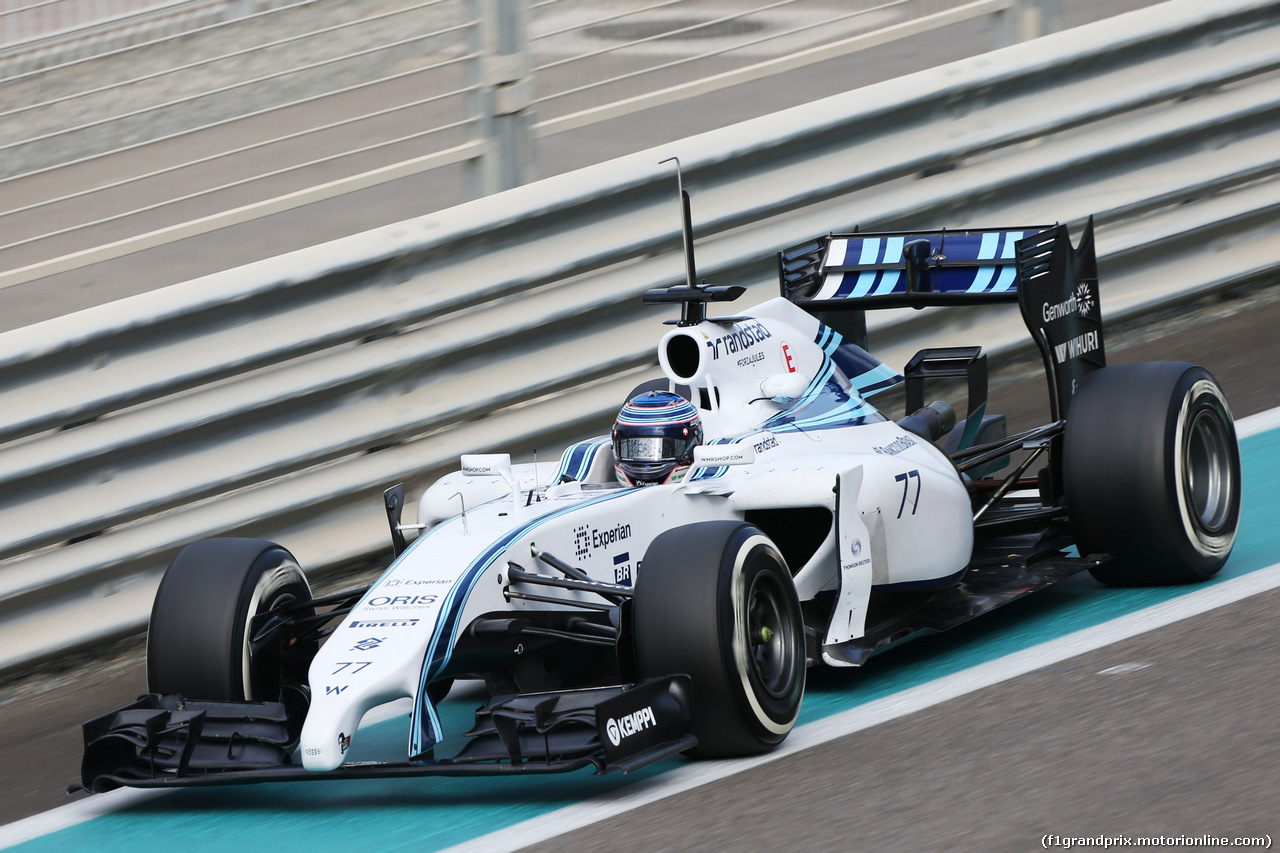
(622, 728)
(402, 601)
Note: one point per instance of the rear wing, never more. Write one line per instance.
(898, 269)
(840, 276)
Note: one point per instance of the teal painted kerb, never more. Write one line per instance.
(430, 814)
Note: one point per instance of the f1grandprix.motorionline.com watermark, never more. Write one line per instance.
(1106, 842)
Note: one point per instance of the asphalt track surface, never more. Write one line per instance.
(1179, 739)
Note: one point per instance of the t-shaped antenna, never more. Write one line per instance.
(690, 271)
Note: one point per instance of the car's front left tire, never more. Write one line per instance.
(715, 601)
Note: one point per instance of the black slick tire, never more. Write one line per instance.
(715, 601)
(198, 637)
(1152, 473)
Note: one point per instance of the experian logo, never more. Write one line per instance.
(624, 727)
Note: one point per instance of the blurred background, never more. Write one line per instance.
(281, 125)
(260, 259)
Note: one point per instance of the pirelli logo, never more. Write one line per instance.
(383, 623)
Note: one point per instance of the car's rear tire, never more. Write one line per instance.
(1152, 473)
(705, 594)
(198, 637)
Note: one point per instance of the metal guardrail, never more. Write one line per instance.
(37, 34)
(278, 399)
(487, 79)
(63, 26)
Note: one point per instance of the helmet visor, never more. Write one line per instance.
(652, 448)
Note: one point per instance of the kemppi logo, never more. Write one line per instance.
(622, 728)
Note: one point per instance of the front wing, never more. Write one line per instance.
(166, 741)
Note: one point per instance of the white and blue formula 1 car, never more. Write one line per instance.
(615, 625)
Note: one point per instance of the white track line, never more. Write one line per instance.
(97, 805)
(1261, 422)
(806, 736)
(49, 822)
(874, 713)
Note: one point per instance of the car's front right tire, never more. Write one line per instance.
(198, 639)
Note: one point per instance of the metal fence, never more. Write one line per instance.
(324, 98)
(23, 22)
(279, 399)
(36, 33)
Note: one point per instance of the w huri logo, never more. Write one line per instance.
(1077, 346)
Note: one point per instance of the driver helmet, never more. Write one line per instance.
(654, 438)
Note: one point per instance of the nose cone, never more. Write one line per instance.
(327, 733)
(326, 754)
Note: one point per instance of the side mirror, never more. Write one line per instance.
(487, 465)
(393, 502)
(784, 387)
(491, 465)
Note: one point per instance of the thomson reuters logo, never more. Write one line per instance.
(622, 728)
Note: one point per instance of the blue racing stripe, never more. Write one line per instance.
(1008, 273)
(578, 458)
(987, 251)
(892, 255)
(870, 255)
(437, 656)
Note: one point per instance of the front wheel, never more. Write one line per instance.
(1152, 473)
(715, 601)
(198, 640)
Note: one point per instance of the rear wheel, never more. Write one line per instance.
(198, 640)
(1152, 473)
(715, 601)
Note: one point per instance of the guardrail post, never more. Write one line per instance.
(1024, 20)
(503, 97)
